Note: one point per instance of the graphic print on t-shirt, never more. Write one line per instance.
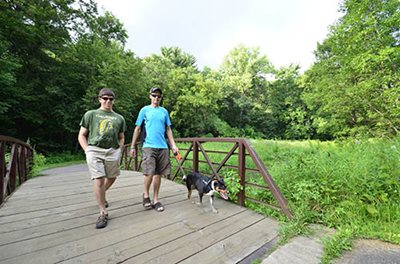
(105, 129)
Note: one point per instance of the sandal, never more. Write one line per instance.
(159, 207)
(146, 202)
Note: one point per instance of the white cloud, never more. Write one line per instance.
(286, 31)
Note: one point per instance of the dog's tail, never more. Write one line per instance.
(184, 177)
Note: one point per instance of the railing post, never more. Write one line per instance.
(22, 171)
(196, 156)
(21, 164)
(136, 158)
(12, 170)
(2, 169)
(242, 172)
(124, 157)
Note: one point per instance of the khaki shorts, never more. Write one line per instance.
(155, 161)
(103, 162)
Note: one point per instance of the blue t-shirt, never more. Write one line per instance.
(156, 120)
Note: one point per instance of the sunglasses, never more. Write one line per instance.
(108, 98)
(156, 95)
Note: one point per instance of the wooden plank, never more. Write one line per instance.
(122, 218)
(160, 236)
(89, 239)
(236, 247)
(186, 246)
(65, 198)
(70, 222)
(29, 224)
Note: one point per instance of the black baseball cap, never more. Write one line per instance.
(106, 91)
(156, 90)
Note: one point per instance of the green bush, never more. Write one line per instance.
(41, 162)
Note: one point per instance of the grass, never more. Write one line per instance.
(352, 186)
(40, 162)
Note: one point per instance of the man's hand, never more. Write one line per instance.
(132, 153)
(175, 150)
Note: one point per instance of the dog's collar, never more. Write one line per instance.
(208, 186)
(207, 183)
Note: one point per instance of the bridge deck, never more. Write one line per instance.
(51, 219)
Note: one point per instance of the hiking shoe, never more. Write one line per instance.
(106, 204)
(102, 221)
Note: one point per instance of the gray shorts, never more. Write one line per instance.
(103, 162)
(155, 161)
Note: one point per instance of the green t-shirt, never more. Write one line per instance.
(104, 128)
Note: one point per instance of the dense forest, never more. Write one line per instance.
(56, 54)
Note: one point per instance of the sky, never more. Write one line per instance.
(286, 31)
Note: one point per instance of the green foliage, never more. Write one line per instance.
(39, 161)
(42, 162)
(354, 84)
(341, 241)
(288, 117)
(242, 84)
(9, 64)
(108, 28)
(350, 185)
(233, 185)
(291, 229)
(56, 55)
(178, 57)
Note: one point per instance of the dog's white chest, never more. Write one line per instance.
(210, 193)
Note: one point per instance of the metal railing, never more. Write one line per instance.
(241, 157)
(16, 159)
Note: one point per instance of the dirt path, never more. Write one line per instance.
(371, 252)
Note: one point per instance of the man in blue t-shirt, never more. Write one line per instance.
(154, 119)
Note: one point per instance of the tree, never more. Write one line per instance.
(190, 96)
(57, 52)
(108, 28)
(35, 32)
(288, 114)
(178, 57)
(243, 83)
(354, 85)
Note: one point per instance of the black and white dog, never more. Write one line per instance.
(205, 185)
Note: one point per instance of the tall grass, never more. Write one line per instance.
(352, 185)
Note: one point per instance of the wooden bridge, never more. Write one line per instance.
(51, 219)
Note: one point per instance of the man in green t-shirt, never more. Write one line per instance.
(102, 138)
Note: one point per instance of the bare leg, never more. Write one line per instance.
(99, 189)
(147, 182)
(109, 182)
(156, 187)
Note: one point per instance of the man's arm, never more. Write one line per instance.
(82, 137)
(135, 135)
(121, 140)
(171, 140)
